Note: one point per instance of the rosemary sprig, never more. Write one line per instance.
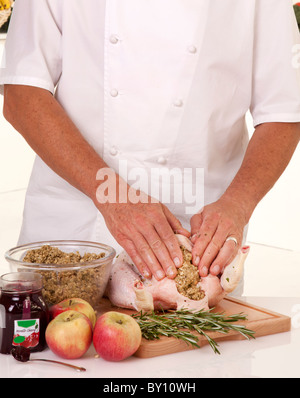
(181, 323)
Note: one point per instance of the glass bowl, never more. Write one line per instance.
(85, 279)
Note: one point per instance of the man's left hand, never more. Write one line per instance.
(210, 230)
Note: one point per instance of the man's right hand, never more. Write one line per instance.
(146, 230)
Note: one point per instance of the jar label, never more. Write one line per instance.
(26, 332)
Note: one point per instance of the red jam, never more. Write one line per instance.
(24, 315)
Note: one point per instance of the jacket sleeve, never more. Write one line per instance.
(32, 53)
(276, 77)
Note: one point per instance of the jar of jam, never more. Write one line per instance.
(24, 314)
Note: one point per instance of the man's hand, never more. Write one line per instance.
(146, 231)
(269, 152)
(210, 228)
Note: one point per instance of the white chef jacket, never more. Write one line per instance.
(160, 83)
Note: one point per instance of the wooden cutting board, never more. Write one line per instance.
(262, 321)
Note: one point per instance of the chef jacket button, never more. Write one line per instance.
(113, 151)
(162, 160)
(113, 39)
(178, 102)
(114, 92)
(192, 49)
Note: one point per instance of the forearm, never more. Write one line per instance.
(44, 124)
(146, 231)
(269, 152)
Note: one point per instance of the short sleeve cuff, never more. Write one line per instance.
(26, 81)
(277, 117)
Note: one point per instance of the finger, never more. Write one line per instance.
(171, 242)
(175, 223)
(130, 248)
(213, 248)
(145, 252)
(227, 253)
(210, 253)
(161, 252)
(206, 232)
(196, 222)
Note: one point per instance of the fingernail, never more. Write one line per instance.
(160, 274)
(177, 262)
(216, 269)
(196, 261)
(171, 272)
(146, 274)
(204, 271)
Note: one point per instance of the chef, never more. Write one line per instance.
(115, 95)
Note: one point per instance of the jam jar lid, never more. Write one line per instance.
(20, 282)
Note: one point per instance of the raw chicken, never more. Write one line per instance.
(128, 289)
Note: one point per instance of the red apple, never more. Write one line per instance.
(75, 304)
(116, 336)
(69, 334)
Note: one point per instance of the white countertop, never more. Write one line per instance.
(274, 356)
